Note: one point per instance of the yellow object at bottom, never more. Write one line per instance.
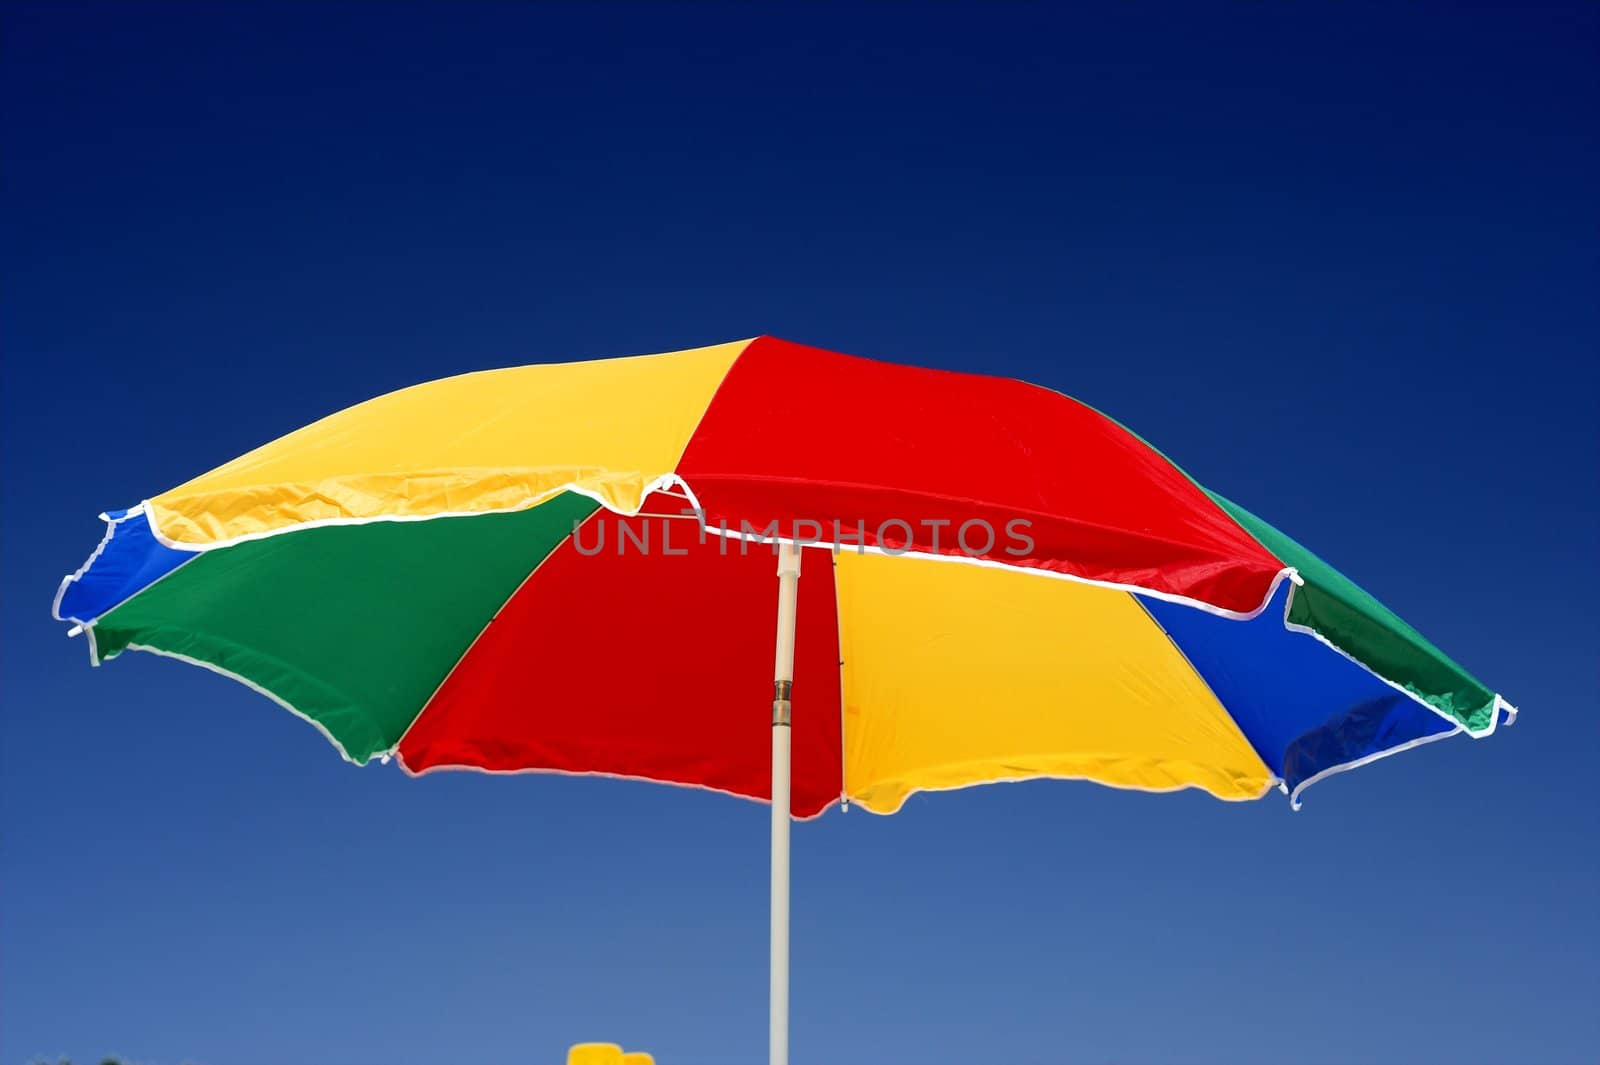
(957, 674)
(606, 1054)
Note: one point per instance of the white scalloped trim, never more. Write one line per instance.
(666, 484)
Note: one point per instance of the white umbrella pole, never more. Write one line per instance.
(783, 682)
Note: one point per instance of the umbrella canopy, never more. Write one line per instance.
(567, 568)
(558, 568)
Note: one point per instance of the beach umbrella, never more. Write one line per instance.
(570, 568)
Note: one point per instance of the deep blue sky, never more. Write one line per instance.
(1339, 261)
